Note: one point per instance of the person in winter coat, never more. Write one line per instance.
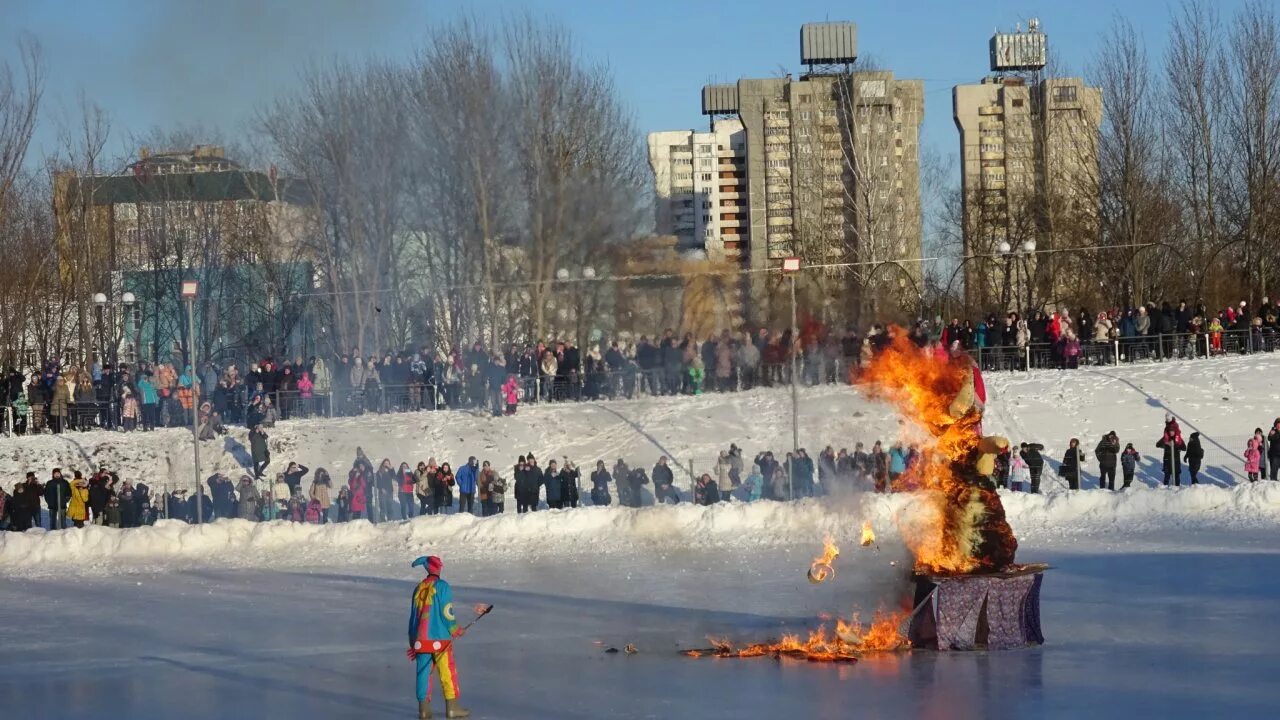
(1019, 475)
(551, 481)
(664, 482)
(897, 462)
(405, 483)
(1273, 449)
(442, 489)
(422, 475)
(1195, 455)
(58, 407)
(622, 478)
(1129, 464)
(1173, 445)
(343, 504)
(706, 491)
(511, 394)
(1253, 458)
(258, 448)
(1030, 454)
(385, 482)
(57, 495)
(754, 483)
(636, 479)
(484, 488)
(358, 487)
(1072, 461)
(600, 480)
(293, 475)
(248, 499)
(466, 479)
(1107, 452)
(321, 487)
(78, 506)
(101, 490)
(569, 477)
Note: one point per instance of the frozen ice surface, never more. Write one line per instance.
(1173, 628)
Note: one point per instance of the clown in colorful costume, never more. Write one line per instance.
(432, 629)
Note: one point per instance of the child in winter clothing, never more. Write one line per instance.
(510, 394)
(1128, 464)
(754, 484)
(1019, 473)
(1253, 458)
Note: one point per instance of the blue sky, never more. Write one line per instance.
(159, 63)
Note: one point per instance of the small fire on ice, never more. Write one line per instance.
(849, 642)
(822, 569)
(868, 535)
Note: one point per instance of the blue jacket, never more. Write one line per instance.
(552, 483)
(897, 460)
(431, 614)
(148, 392)
(466, 479)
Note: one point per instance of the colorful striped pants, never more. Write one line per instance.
(443, 663)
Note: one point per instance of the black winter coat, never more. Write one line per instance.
(1107, 452)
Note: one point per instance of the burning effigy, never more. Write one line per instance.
(969, 593)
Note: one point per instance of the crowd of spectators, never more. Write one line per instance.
(62, 397)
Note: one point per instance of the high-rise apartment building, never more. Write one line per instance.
(1029, 163)
(700, 187)
(829, 171)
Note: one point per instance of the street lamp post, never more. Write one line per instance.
(1012, 255)
(111, 339)
(190, 288)
(791, 266)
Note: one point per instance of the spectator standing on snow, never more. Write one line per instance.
(1173, 445)
(321, 487)
(57, 495)
(466, 479)
(523, 486)
(664, 482)
(442, 489)
(358, 489)
(248, 499)
(1030, 454)
(1195, 455)
(385, 483)
(1273, 449)
(622, 477)
(551, 481)
(569, 476)
(484, 488)
(1129, 463)
(754, 483)
(1019, 475)
(880, 467)
(897, 462)
(1107, 452)
(78, 506)
(293, 475)
(344, 504)
(600, 480)
(404, 484)
(1253, 456)
(1072, 461)
(258, 448)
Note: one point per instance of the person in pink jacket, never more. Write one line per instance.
(305, 386)
(510, 394)
(359, 498)
(1253, 458)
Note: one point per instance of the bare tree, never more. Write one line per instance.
(1253, 121)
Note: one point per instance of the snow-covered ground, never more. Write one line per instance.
(1160, 604)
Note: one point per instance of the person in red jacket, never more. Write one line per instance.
(359, 499)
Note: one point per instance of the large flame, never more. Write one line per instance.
(960, 528)
(849, 641)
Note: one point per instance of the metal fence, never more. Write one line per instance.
(1145, 348)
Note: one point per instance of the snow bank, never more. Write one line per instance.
(619, 531)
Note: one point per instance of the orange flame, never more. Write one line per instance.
(822, 568)
(868, 535)
(960, 526)
(846, 644)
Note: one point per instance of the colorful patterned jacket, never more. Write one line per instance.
(431, 618)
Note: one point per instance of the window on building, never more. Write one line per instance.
(1064, 93)
(1017, 102)
(704, 148)
(806, 98)
(706, 176)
